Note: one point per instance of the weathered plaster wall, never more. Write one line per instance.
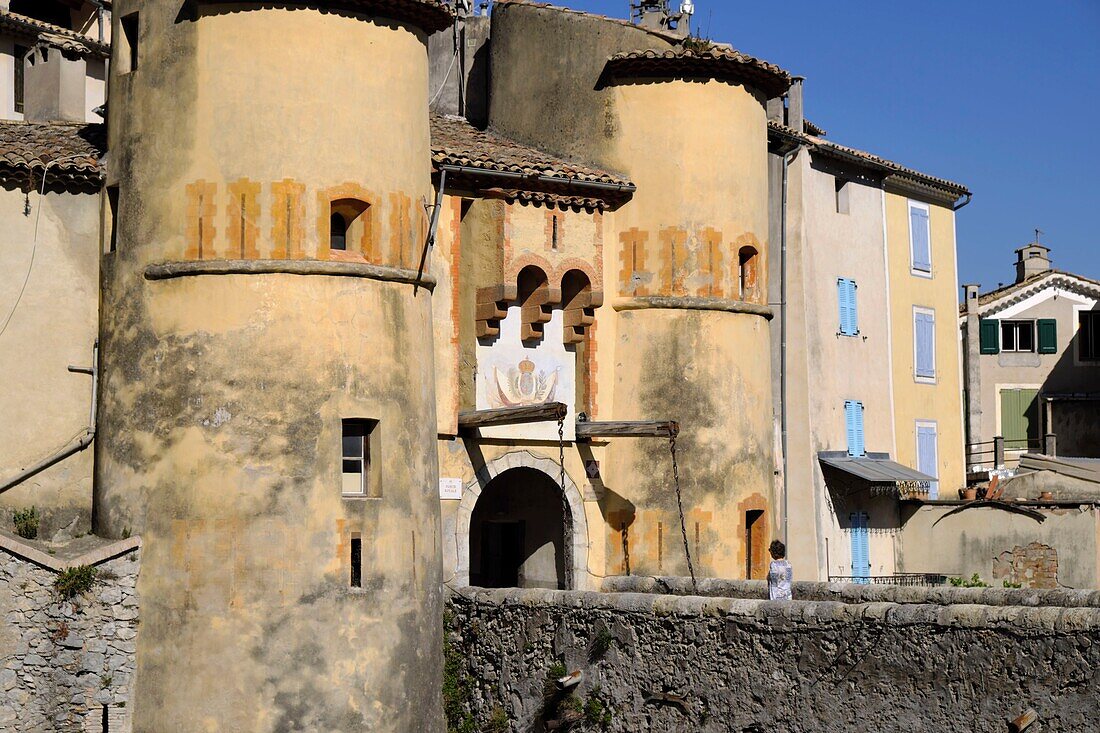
(223, 395)
(43, 404)
(976, 541)
(66, 665)
(940, 402)
(669, 664)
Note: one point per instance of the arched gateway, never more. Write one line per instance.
(514, 529)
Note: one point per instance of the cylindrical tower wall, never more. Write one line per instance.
(236, 343)
(692, 342)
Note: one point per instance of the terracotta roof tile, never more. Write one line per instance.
(828, 147)
(53, 35)
(1019, 291)
(456, 142)
(716, 61)
(72, 151)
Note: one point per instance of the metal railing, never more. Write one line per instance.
(993, 451)
(902, 579)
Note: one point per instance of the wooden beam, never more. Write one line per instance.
(547, 412)
(628, 429)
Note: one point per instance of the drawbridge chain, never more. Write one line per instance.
(680, 506)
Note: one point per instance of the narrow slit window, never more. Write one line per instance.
(110, 223)
(129, 52)
(746, 272)
(359, 469)
(842, 187)
(554, 233)
(19, 55)
(356, 561)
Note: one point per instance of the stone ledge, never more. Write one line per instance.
(59, 563)
(803, 614)
(851, 593)
(170, 270)
(696, 303)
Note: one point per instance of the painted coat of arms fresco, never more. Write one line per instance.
(523, 384)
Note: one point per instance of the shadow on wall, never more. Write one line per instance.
(1075, 422)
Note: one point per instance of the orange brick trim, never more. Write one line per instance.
(287, 219)
(199, 230)
(243, 215)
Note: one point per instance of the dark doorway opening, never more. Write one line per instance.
(755, 561)
(517, 533)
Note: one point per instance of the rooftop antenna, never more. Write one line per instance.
(1037, 233)
(657, 14)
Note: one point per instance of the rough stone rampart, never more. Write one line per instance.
(66, 665)
(671, 663)
(855, 593)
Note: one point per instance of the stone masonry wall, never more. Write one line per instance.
(670, 663)
(66, 666)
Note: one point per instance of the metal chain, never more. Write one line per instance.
(680, 506)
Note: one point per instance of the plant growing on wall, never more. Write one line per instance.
(973, 581)
(456, 685)
(74, 581)
(26, 523)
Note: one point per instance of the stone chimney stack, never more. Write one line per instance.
(1031, 260)
(54, 86)
(796, 115)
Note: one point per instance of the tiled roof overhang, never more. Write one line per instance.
(39, 31)
(519, 172)
(895, 173)
(997, 300)
(716, 62)
(431, 15)
(70, 154)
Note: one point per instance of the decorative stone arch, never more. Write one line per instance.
(576, 524)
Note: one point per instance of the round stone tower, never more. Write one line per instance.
(692, 337)
(267, 417)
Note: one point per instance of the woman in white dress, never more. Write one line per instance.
(779, 573)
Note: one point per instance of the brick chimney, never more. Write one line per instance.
(1032, 259)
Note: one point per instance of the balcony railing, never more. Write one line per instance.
(992, 452)
(904, 579)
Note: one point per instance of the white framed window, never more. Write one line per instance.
(924, 345)
(359, 460)
(928, 450)
(1018, 336)
(920, 240)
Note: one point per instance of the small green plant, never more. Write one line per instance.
(596, 713)
(498, 722)
(457, 689)
(974, 581)
(26, 523)
(556, 672)
(74, 581)
(1010, 584)
(105, 681)
(601, 642)
(697, 45)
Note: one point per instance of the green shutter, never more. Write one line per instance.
(990, 331)
(1019, 417)
(1048, 336)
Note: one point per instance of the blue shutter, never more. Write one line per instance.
(861, 550)
(919, 239)
(853, 423)
(928, 458)
(846, 303)
(924, 324)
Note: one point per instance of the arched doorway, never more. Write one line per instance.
(518, 531)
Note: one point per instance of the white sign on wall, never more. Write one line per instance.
(450, 488)
(513, 374)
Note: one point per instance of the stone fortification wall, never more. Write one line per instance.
(66, 665)
(853, 593)
(668, 663)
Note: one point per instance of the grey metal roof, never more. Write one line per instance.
(875, 468)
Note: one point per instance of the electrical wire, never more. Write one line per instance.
(34, 242)
(445, 78)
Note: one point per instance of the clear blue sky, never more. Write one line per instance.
(1001, 96)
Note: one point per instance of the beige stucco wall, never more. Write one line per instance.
(223, 394)
(836, 368)
(940, 402)
(935, 540)
(43, 405)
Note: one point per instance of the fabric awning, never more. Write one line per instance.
(877, 470)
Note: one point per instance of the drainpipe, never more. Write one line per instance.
(75, 445)
(964, 202)
(787, 158)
